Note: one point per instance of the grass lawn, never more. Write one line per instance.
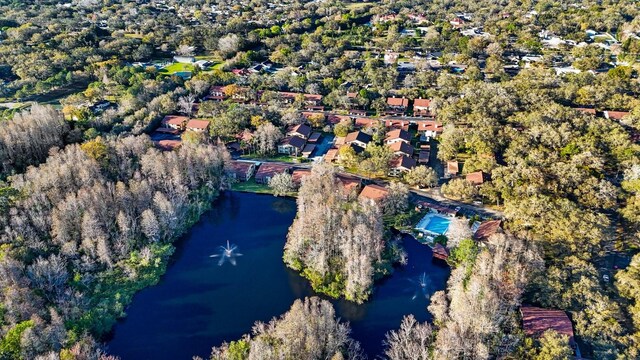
(177, 67)
(251, 186)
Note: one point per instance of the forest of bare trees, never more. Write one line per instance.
(90, 227)
(477, 316)
(309, 330)
(26, 139)
(336, 242)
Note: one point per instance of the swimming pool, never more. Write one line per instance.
(434, 224)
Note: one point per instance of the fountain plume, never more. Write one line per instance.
(227, 253)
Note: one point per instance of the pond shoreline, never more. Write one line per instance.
(197, 304)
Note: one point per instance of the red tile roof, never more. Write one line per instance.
(615, 115)
(198, 124)
(302, 129)
(175, 120)
(429, 125)
(421, 103)
(298, 174)
(440, 252)
(240, 168)
(536, 321)
(269, 169)
(331, 155)
(357, 136)
(453, 167)
(374, 192)
(335, 118)
(169, 144)
(365, 122)
(397, 124)
(486, 229)
(403, 147)
(349, 183)
(393, 101)
(476, 178)
(403, 162)
(398, 134)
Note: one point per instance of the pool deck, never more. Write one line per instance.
(429, 226)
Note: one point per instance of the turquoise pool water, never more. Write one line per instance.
(434, 224)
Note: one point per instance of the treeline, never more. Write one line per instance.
(27, 139)
(87, 229)
(565, 180)
(337, 241)
(309, 330)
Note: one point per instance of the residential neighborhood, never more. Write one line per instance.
(312, 179)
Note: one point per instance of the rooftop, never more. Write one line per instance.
(358, 136)
(398, 134)
(536, 321)
(198, 124)
(403, 147)
(394, 101)
(487, 228)
(374, 192)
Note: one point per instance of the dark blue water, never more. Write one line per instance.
(199, 304)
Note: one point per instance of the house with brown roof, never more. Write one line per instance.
(216, 93)
(167, 144)
(349, 183)
(397, 124)
(440, 252)
(374, 192)
(331, 155)
(401, 164)
(615, 115)
(241, 170)
(477, 177)
(198, 125)
(401, 148)
(337, 118)
(487, 229)
(453, 168)
(535, 321)
(365, 122)
(429, 129)
(267, 170)
(176, 122)
(291, 145)
(298, 174)
(312, 100)
(300, 130)
(421, 107)
(397, 135)
(358, 138)
(397, 105)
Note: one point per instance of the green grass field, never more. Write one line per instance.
(177, 67)
(251, 186)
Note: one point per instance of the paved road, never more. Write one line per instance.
(429, 195)
(433, 195)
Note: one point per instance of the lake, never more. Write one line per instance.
(198, 304)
